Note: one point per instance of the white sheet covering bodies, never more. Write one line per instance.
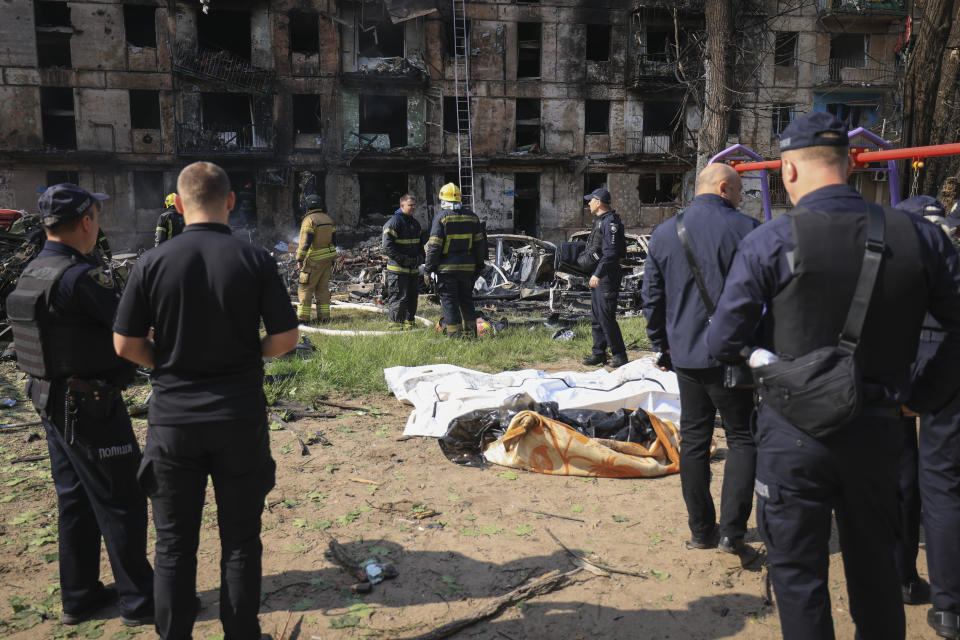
(440, 393)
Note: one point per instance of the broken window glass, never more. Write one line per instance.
(226, 31)
(140, 25)
(783, 113)
(594, 181)
(598, 42)
(304, 33)
(381, 40)
(849, 50)
(528, 49)
(144, 109)
(52, 20)
(450, 114)
(528, 123)
(659, 188)
(381, 116)
(380, 195)
(526, 203)
(306, 113)
(597, 116)
(785, 49)
(450, 41)
(58, 118)
(854, 114)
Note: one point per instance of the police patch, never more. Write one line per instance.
(101, 277)
(613, 228)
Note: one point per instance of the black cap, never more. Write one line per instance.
(817, 129)
(64, 201)
(600, 194)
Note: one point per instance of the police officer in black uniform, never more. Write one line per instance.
(931, 471)
(205, 296)
(677, 317)
(606, 246)
(798, 272)
(456, 252)
(61, 312)
(403, 247)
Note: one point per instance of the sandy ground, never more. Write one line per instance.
(495, 529)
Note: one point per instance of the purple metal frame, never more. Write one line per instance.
(740, 152)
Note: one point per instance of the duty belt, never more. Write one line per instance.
(100, 390)
(932, 335)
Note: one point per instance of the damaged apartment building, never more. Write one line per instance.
(356, 100)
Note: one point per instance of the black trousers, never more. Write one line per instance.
(908, 542)
(801, 482)
(939, 474)
(603, 317)
(403, 290)
(176, 463)
(702, 394)
(98, 497)
(456, 302)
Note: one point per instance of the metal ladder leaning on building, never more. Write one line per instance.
(461, 76)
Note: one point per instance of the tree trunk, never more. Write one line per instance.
(922, 78)
(716, 99)
(945, 125)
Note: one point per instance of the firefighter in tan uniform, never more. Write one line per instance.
(318, 239)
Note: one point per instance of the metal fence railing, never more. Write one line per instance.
(654, 143)
(858, 71)
(862, 6)
(223, 66)
(224, 139)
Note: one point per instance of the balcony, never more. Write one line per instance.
(856, 72)
(654, 68)
(656, 143)
(224, 140)
(687, 6)
(863, 7)
(396, 71)
(222, 66)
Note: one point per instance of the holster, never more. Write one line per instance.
(93, 398)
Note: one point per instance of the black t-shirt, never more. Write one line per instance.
(204, 292)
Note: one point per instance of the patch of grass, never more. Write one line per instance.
(355, 364)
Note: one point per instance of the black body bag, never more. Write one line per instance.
(821, 391)
(736, 375)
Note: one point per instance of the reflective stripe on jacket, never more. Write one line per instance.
(317, 237)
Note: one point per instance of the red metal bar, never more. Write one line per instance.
(908, 153)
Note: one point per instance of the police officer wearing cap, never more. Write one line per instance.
(606, 246)
(456, 252)
(797, 274)
(932, 471)
(677, 317)
(205, 295)
(61, 312)
(403, 248)
(170, 222)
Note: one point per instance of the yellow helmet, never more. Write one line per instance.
(450, 192)
(170, 200)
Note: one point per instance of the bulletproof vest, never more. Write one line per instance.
(810, 311)
(50, 345)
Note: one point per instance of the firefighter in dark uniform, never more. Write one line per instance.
(677, 317)
(61, 312)
(930, 475)
(456, 252)
(170, 222)
(606, 246)
(403, 247)
(205, 296)
(798, 273)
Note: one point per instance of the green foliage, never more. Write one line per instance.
(355, 364)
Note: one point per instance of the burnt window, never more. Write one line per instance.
(58, 118)
(451, 115)
(53, 34)
(304, 32)
(783, 113)
(849, 49)
(598, 42)
(660, 118)
(785, 49)
(380, 193)
(225, 111)
(854, 114)
(526, 203)
(733, 127)
(226, 31)
(528, 49)
(381, 40)
(306, 114)
(593, 181)
(450, 40)
(659, 188)
(144, 109)
(59, 177)
(147, 189)
(658, 45)
(528, 122)
(140, 25)
(384, 115)
(597, 116)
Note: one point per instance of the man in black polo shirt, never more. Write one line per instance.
(204, 293)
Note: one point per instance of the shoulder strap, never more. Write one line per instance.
(872, 257)
(694, 268)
